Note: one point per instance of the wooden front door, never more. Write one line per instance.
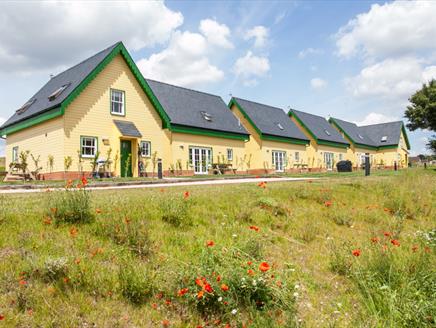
(126, 158)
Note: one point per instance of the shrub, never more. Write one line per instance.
(135, 283)
(272, 206)
(340, 261)
(175, 211)
(308, 232)
(56, 268)
(73, 205)
(341, 218)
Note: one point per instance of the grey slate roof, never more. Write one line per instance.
(185, 106)
(318, 125)
(372, 134)
(266, 118)
(127, 129)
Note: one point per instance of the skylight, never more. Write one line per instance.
(360, 136)
(206, 116)
(280, 126)
(25, 107)
(58, 91)
(384, 139)
(327, 132)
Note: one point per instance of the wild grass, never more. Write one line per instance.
(146, 254)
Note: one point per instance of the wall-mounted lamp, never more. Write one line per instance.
(105, 141)
(182, 147)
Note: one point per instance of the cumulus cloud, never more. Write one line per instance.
(184, 62)
(376, 118)
(259, 34)
(215, 33)
(318, 83)
(394, 29)
(391, 78)
(48, 35)
(309, 51)
(250, 66)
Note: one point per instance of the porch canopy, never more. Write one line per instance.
(128, 129)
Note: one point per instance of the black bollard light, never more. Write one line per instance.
(159, 168)
(367, 165)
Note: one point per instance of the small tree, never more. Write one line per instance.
(36, 161)
(154, 161)
(179, 166)
(94, 163)
(108, 163)
(127, 164)
(79, 162)
(23, 161)
(116, 161)
(50, 162)
(68, 161)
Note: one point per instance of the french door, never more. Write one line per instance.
(328, 160)
(201, 159)
(278, 160)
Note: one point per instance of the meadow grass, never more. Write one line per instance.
(350, 252)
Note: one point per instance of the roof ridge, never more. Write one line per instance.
(255, 102)
(185, 88)
(300, 111)
(391, 122)
(95, 55)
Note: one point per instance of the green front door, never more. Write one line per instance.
(126, 158)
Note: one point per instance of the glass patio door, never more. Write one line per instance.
(201, 159)
(278, 159)
(328, 160)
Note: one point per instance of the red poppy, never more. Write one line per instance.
(22, 282)
(415, 248)
(375, 240)
(356, 252)
(254, 228)
(127, 220)
(53, 210)
(387, 234)
(218, 278)
(200, 294)
(199, 282)
(77, 261)
(98, 211)
(262, 184)
(224, 287)
(154, 306)
(208, 288)
(167, 302)
(257, 176)
(210, 243)
(73, 232)
(47, 221)
(328, 203)
(66, 280)
(395, 242)
(427, 249)
(182, 291)
(250, 272)
(69, 184)
(249, 263)
(264, 267)
(2, 317)
(186, 195)
(165, 323)
(84, 181)
(162, 190)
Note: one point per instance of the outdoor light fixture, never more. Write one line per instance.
(105, 141)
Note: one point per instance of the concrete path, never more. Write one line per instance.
(166, 185)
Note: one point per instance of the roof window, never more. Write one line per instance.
(25, 107)
(58, 91)
(327, 132)
(206, 116)
(384, 139)
(360, 136)
(280, 126)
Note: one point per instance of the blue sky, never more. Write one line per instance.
(356, 60)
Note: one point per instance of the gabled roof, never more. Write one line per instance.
(319, 128)
(269, 122)
(71, 78)
(194, 109)
(374, 135)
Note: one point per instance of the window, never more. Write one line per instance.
(327, 132)
(360, 136)
(58, 91)
(230, 154)
(117, 102)
(206, 116)
(15, 154)
(88, 146)
(145, 148)
(280, 126)
(341, 157)
(384, 139)
(25, 107)
(297, 156)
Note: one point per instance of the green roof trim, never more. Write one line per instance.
(209, 133)
(357, 144)
(31, 121)
(403, 129)
(291, 113)
(262, 136)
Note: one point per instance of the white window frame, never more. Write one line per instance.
(145, 151)
(93, 147)
(297, 156)
(229, 154)
(122, 102)
(281, 156)
(15, 154)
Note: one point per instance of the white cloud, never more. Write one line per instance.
(318, 83)
(309, 51)
(184, 62)
(250, 66)
(259, 34)
(391, 78)
(47, 35)
(215, 33)
(375, 118)
(396, 28)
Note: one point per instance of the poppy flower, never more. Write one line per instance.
(154, 306)
(53, 210)
(199, 282)
(168, 302)
(375, 240)
(224, 287)
(427, 249)
(200, 294)
(356, 252)
(2, 317)
(250, 272)
(182, 291)
(84, 181)
(257, 176)
(66, 280)
(162, 190)
(387, 234)
(47, 221)
(395, 242)
(328, 203)
(73, 232)
(69, 184)
(264, 267)
(210, 243)
(249, 263)
(254, 228)
(186, 194)
(127, 220)
(98, 211)
(218, 278)
(22, 282)
(415, 248)
(165, 323)
(208, 288)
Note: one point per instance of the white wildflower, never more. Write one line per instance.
(234, 311)
(220, 299)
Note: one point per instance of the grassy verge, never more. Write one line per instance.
(356, 252)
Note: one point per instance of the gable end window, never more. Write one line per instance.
(88, 147)
(117, 102)
(230, 154)
(145, 148)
